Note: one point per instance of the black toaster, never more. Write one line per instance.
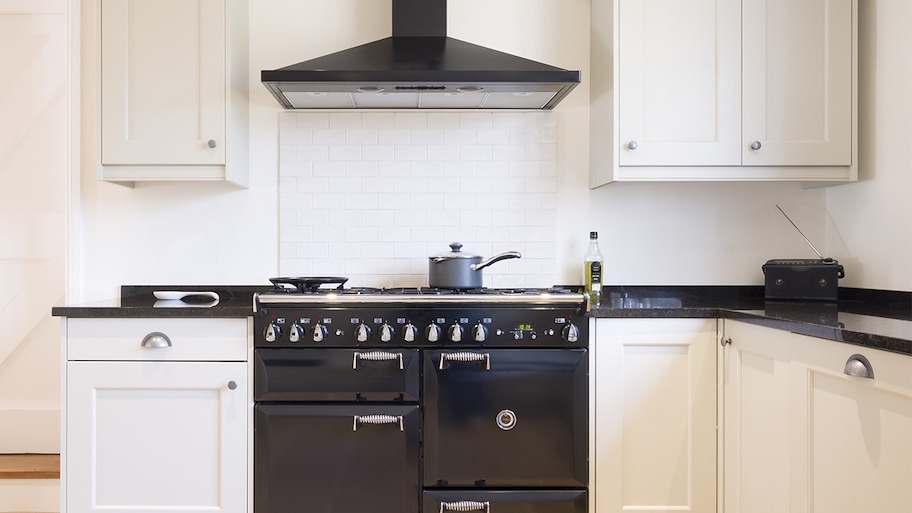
(814, 280)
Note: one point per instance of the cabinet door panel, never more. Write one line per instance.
(680, 82)
(163, 81)
(797, 69)
(757, 377)
(154, 436)
(655, 415)
(857, 431)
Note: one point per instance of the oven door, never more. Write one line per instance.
(506, 418)
(346, 458)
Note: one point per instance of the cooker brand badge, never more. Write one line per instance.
(506, 419)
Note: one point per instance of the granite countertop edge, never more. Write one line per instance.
(742, 303)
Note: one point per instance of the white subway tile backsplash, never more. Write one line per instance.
(370, 195)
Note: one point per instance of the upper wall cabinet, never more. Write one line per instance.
(173, 101)
(723, 90)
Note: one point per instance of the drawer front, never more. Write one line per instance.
(157, 339)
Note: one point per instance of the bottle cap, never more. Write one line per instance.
(593, 235)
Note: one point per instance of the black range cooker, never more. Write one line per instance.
(420, 400)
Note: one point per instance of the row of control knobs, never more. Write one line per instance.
(432, 333)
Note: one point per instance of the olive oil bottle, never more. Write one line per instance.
(592, 270)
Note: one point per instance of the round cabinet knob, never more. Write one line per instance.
(409, 332)
(272, 332)
(570, 333)
(232, 385)
(479, 332)
(755, 145)
(386, 333)
(362, 332)
(211, 143)
(320, 332)
(433, 332)
(295, 333)
(455, 333)
(632, 145)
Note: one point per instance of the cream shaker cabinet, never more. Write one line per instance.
(813, 425)
(155, 415)
(723, 90)
(655, 442)
(173, 101)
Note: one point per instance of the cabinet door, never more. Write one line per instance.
(679, 82)
(797, 72)
(163, 82)
(756, 374)
(655, 408)
(156, 436)
(855, 436)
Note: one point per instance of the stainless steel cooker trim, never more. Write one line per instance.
(332, 298)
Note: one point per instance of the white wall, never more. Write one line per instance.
(870, 225)
(693, 233)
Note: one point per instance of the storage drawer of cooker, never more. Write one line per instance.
(305, 374)
(506, 501)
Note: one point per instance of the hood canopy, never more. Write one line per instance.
(419, 67)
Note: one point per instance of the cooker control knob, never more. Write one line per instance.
(362, 332)
(409, 332)
(570, 333)
(386, 333)
(295, 332)
(320, 332)
(272, 332)
(455, 332)
(479, 332)
(433, 332)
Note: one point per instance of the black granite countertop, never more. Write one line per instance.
(870, 318)
(139, 301)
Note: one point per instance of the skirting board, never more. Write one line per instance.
(28, 495)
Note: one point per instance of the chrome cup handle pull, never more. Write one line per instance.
(377, 419)
(466, 506)
(156, 340)
(466, 357)
(859, 366)
(377, 356)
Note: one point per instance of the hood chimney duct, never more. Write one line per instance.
(419, 18)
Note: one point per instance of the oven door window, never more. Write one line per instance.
(336, 458)
(506, 418)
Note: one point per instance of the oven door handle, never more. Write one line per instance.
(466, 506)
(465, 356)
(377, 419)
(376, 356)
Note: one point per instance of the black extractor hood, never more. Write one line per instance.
(419, 67)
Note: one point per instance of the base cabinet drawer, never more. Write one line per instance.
(157, 339)
(506, 501)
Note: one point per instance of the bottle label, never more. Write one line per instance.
(595, 275)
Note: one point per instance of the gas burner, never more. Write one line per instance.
(357, 291)
(400, 291)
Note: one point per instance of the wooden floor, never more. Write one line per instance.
(29, 466)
